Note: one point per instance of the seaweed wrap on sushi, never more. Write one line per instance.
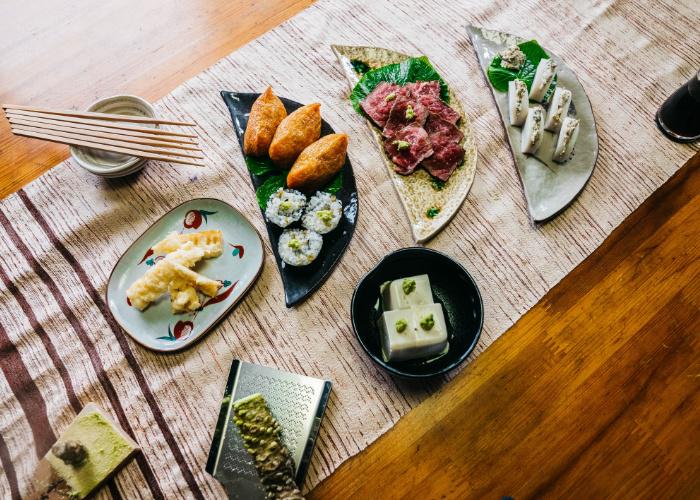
(323, 213)
(299, 247)
(285, 206)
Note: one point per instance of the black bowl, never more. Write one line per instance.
(452, 287)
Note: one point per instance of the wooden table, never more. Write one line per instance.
(593, 393)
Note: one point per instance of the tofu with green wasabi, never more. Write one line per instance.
(407, 292)
(418, 332)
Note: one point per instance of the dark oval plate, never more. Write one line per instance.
(300, 282)
(452, 286)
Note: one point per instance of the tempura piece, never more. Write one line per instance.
(183, 296)
(318, 163)
(154, 283)
(210, 241)
(266, 114)
(294, 134)
(205, 285)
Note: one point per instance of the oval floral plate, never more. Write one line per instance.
(157, 327)
(298, 282)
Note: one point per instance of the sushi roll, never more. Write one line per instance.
(533, 130)
(543, 79)
(558, 109)
(299, 247)
(322, 213)
(567, 140)
(517, 102)
(285, 206)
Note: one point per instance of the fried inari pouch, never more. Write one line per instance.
(298, 130)
(318, 163)
(265, 116)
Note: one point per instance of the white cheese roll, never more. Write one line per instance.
(567, 139)
(533, 130)
(543, 79)
(517, 102)
(558, 109)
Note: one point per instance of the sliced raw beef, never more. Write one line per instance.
(376, 104)
(408, 148)
(425, 88)
(406, 111)
(444, 160)
(442, 131)
(436, 107)
(447, 152)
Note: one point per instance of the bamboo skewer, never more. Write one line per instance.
(71, 133)
(76, 127)
(86, 121)
(31, 111)
(153, 155)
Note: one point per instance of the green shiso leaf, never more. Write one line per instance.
(268, 187)
(413, 69)
(335, 185)
(534, 53)
(260, 166)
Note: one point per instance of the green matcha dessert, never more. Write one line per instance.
(261, 437)
(88, 452)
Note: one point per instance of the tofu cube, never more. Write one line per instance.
(395, 297)
(415, 340)
(397, 346)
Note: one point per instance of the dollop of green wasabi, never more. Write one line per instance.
(294, 244)
(401, 325)
(402, 145)
(408, 285)
(428, 322)
(410, 114)
(325, 215)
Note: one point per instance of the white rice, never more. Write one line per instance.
(285, 206)
(299, 247)
(323, 213)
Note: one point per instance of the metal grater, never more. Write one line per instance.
(296, 401)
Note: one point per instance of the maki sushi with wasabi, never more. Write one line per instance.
(299, 247)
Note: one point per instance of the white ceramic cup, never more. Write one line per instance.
(105, 163)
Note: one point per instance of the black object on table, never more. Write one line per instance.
(679, 116)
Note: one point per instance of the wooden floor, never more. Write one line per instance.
(593, 393)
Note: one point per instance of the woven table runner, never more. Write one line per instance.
(61, 235)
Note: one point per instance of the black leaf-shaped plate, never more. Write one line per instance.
(300, 282)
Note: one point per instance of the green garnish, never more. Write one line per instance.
(428, 322)
(294, 244)
(402, 145)
(325, 215)
(437, 184)
(410, 114)
(413, 69)
(432, 212)
(390, 97)
(359, 66)
(285, 206)
(408, 285)
(500, 76)
(401, 325)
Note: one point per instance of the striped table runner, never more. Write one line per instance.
(61, 235)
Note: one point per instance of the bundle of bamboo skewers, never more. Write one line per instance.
(108, 132)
